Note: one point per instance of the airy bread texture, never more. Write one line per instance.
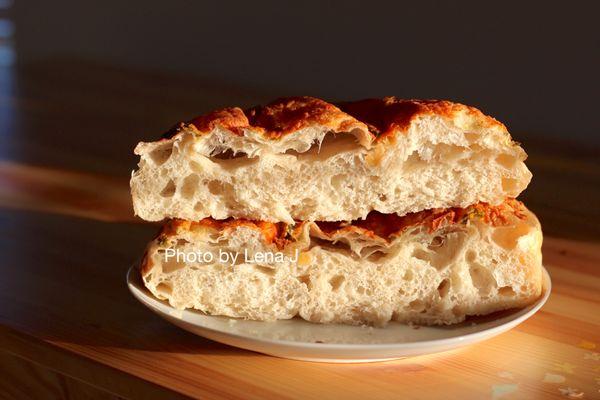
(431, 267)
(306, 159)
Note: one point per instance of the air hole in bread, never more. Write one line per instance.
(217, 188)
(408, 275)
(309, 203)
(448, 152)
(172, 265)
(413, 162)
(337, 181)
(506, 291)
(430, 184)
(482, 279)
(326, 244)
(264, 270)
(421, 254)
(304, 258)
(444, 288)
(507, 237)
(524, 288)
(331, 145)
(190, 184)
(255, 282)
(471, 137)
(164, 288)
(306, 204)
(470, 256)
(481, 154)
(440, 252)
(417, 305)
(169, 189)
(374, 179)
(437, 241)
(227, 154)
(336, 282)
(305, 279)
(372, 253)
(511, 186)
(161, 155)
(507, 161)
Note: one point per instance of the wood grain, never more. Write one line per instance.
(68, 238)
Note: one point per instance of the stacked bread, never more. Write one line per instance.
(356, 213)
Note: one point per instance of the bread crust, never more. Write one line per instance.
(437, 267)
(390, 116)
(390, 155)
(376, 227)
(376, 119)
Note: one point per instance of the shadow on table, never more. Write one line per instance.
(64, 281)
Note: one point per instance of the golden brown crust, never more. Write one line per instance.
(281, 117)
(387, 225)
(383, 117)
(278, 233)
(389, 115)
(375, 225)
(233, 119)
(287, 115)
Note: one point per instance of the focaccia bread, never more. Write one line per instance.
(306, 159)
(431, 267)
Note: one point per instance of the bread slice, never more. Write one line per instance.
(306, 159)
(431, 267)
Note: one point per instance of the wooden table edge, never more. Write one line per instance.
(86, 370)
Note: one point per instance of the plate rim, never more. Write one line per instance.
(134, 281)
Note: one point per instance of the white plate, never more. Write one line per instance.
(301, 340)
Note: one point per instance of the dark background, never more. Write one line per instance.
(84, 81)
(532, 65)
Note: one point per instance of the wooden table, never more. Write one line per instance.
(70, 329)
